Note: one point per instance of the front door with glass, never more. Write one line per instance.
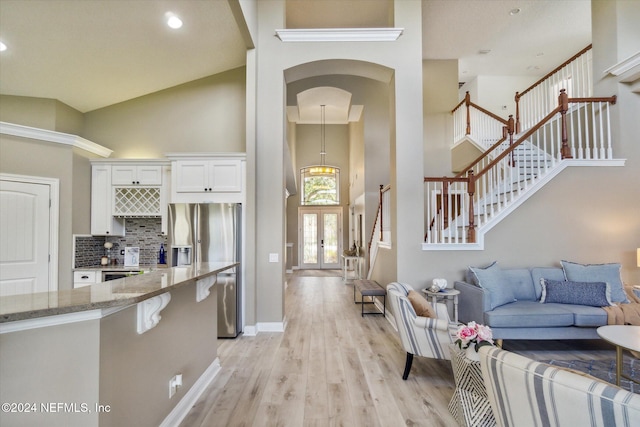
(320, 237)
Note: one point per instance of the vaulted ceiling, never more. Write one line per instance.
(94, 53)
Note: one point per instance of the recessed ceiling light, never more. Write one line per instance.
(173, 21)
(514, 11)
(3, 47)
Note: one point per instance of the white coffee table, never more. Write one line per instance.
(624, 337)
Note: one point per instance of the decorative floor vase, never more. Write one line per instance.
(472, 354)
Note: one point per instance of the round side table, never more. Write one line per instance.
(444, 294)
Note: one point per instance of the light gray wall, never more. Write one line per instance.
(24, 156)
(68, 119)
(206, 115)
(28, 111)
(42, 113)
(440, 95)
(81, 197)
(357, 183)
(135, 369)
(54, 364)
(384, 271)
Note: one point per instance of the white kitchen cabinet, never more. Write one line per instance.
(103, 223)
(208, 176)
(123, 188)
(86, 278)
(136, 175)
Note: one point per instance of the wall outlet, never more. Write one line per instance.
(174, 384)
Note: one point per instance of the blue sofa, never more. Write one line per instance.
(509, 301)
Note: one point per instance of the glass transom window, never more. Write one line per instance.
(320, 185)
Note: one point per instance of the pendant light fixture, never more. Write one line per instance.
(322, 169)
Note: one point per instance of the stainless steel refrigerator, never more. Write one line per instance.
(211, 232)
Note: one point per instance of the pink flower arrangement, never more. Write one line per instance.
(475, 334)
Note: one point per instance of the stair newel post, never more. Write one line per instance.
(445, 202)
(381, 211)
(563, 103)
(471, 189)
(467, 103)
(510, 130)
(517, 112)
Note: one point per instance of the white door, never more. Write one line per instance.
(24, 237)
(320, 237)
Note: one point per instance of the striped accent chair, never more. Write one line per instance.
(421, 336)
(523, 392)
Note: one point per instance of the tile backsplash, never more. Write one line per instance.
(89, 250)
(146, 233)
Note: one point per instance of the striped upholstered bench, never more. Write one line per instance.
(369, 288)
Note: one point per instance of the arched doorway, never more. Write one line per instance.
(367, 122)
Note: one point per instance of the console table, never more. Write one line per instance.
(354, 262)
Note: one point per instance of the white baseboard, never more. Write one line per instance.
(181, 410)
(252, 331)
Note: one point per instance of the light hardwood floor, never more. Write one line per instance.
(331, 367)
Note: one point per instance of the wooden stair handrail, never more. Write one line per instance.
(471, 178)
(539, 82)
(373, 232)
(459, 105)
(555, 70)
(506, 131)
(383, 189)
(527, 134)
(489, 113)
(467, 102)
(610, 99)
(520, 140)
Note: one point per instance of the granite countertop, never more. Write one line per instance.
(115, 293)
(121, 267)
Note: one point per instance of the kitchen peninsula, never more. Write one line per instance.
(105, 354)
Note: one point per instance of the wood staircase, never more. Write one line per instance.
(461, 209)
(520, 178)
